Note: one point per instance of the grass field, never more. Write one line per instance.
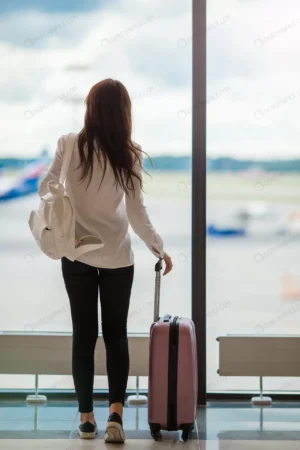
(279, 188)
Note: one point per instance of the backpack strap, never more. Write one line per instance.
(67, 154)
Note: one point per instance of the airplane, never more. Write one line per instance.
(27, 181)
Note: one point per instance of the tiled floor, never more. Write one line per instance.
(219, 426)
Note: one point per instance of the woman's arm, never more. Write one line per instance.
(53, 171)
(139, 219)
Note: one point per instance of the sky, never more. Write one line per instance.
(253, 83)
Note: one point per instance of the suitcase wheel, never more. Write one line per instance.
(185, 436)
(156, 436)
(186, 430)
(155, 431)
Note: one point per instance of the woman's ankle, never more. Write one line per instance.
(87, 417)
(117, 408)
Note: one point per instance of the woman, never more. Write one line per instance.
(105, 184)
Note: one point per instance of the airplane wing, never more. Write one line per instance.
(26, 182)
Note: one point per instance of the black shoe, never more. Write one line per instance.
(87, 430)
(114, 429)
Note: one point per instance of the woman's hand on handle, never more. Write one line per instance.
(168, 261)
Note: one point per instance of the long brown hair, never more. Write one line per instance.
(107, 131)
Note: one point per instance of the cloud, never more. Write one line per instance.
(9, 6)
(259, 77)
(143, 53)
(35, 75)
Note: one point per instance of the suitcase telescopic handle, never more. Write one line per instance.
(158, 268)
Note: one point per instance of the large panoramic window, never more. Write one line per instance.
(253, 218)
(54, 52)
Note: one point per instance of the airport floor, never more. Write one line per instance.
(219, 426)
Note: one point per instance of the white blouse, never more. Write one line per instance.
(106, 212)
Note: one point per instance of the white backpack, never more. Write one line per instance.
(53, 224)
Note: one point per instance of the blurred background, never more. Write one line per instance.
(52, 53)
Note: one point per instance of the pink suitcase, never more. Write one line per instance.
(173, 382)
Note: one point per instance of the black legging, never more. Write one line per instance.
(82, 282)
